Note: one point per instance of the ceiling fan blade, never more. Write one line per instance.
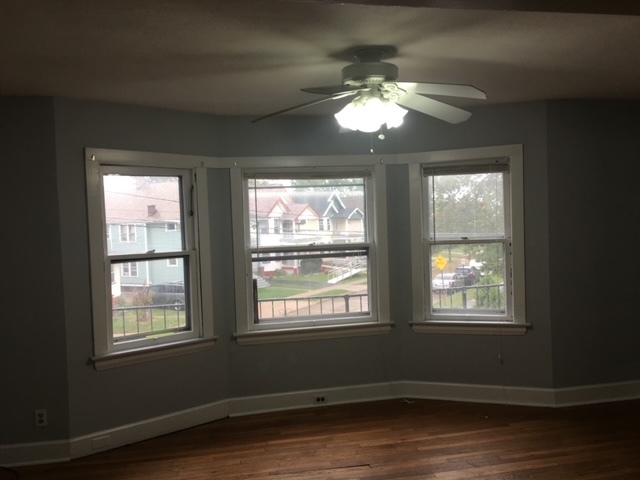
(333, 89)
(444, 89)
(434, 108)
(307, 104)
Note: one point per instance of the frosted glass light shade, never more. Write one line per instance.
(368, 113)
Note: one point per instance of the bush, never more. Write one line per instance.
(309, 266)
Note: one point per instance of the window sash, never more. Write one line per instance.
(105, 340)
(257, 253)
(189, 330)
(433, 303)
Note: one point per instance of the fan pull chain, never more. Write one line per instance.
(380, 136)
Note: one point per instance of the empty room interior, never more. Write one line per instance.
(246, 216)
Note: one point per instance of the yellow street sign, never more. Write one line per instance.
(441, 262)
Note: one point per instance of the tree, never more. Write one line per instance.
(468, 206)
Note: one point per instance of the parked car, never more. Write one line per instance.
(447, 282)
(169, 295)
(470, 274)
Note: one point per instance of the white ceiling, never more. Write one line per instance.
(252, 57)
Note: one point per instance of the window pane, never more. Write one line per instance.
(290, 286)
(142, 207)
(299, 211)
(468, 277)
(140, 308)
(466, 206)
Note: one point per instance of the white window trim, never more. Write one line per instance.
(519, 324)
(105, 356)
(378, 323)
(130, 268)
(126, 231)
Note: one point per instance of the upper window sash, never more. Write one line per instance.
(186, 194)
(431, 220)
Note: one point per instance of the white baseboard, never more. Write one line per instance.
(306, 399)
(64, 450)
(606, 392)
(34, 453)
(539, 397)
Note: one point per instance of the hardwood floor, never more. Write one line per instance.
(394, 439)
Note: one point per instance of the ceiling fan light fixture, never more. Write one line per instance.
(380, 96)
(367, 113)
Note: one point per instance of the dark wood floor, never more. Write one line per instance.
(396, 439)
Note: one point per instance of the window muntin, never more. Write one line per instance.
(304, 276)
(467, 234)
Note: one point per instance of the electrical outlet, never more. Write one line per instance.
(319, 399)
(40, 417)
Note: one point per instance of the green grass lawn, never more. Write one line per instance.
(146, 320)
(331, 293)
(315, 277)
(276, 292)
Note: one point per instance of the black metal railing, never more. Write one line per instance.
(279, 308)
(479, 297)
(141, 321)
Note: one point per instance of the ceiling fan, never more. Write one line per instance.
(378, 97)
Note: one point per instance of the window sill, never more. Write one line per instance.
(471, 328)
(121, 359)
(312, 333)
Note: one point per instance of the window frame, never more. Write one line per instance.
(172, 262)
(108, 354)
(130, 267)
(125, 231)
(514, 322)
(376, 322)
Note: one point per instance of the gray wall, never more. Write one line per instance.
(47, 342)
(33, 345)
(594, 151)
(101, 400)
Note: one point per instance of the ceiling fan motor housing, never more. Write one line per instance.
(369, 73)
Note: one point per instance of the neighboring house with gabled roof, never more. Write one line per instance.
(341, 216)
(278, 219)
(346, 217)
(285, 216)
